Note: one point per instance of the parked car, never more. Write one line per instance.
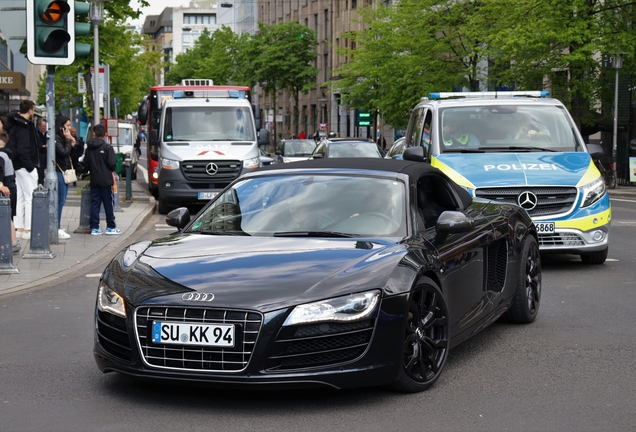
(396, 150)
(293, 150)
(127, 143)
(347, 148)
(266, 158)
(329, 272)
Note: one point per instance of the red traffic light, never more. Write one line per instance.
(54, 12)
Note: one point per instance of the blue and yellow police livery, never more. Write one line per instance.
(521, 148)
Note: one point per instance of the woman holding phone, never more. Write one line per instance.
(64, 143)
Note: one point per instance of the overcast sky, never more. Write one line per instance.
(155, 8)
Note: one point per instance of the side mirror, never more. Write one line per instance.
(178, 218)
(278, 153)
(415, 154)
(595, 151)
(317, 156)
(142, 112)
(451, 222)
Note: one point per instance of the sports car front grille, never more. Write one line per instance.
(195, 173)
(560, 239)
(112, 333)
(199, 358)
(315, 345)
(551, 200)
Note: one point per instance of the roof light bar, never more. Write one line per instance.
(495, 94)
(208, 94)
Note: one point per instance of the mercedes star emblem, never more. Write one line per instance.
(527, 200)
(211, 168)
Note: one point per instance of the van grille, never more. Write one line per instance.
(227, 171)
(550, 200)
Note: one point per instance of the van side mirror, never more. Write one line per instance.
(595, 151)
(415, 154)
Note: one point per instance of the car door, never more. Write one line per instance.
(461, 255)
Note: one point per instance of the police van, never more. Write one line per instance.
(521, 148)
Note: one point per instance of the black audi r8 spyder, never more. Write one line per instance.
(335, 272)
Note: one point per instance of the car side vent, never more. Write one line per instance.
(495, 266)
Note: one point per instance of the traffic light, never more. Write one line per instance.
(81, 28)
(51, 31)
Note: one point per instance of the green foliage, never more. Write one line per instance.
(417, 46)
(132, 69)
(220, 56)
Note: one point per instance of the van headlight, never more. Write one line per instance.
(347, 308)
(593, 191)
(169, 164)
(252, 163)
(109, 301)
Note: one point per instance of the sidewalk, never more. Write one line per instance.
(82, 250)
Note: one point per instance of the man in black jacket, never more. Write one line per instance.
(23, 142)
(101, 161)
(43, 140)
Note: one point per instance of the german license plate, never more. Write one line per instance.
(545, 227)
(207, 195)
(187, 333)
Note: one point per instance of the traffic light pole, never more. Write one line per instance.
(50, 180)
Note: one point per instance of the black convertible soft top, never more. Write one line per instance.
(413, 169)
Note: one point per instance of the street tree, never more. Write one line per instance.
(410, 49)
(283, 56)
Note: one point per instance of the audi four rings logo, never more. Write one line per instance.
(200, 297)
(211, 168)
(527, 200)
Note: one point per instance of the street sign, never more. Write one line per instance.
(363, 118)
(112, 127)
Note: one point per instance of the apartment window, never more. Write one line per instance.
(307, 22)
(204, 19)
(316, 22)
(354, 4)
(326, 24)
(326, 67)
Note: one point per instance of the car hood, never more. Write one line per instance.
(236, 150)
(476, 170)
(265, 273)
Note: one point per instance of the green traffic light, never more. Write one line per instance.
(81, 28)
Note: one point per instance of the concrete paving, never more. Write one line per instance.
(82, 250)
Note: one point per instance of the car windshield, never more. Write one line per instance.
(309, 206)
(353, 149)
(296, 148)
(507, 128)
(208, 124)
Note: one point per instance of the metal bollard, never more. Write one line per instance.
(128, 180)
(39, 244)
(6, 247)
(85, 212)
(116, 206)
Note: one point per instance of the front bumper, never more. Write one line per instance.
(379, 361)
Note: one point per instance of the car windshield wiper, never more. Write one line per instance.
(312, 234)
(517, 148)
(229, 233)
(465, 150)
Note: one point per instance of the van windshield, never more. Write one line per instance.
(208, 124)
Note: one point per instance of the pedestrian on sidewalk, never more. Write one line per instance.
(64, 144)
(7, 184)
(43, 140)
(23, 142)
(101, 161)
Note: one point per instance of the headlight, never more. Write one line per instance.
(593, 191)
(348, 308)
(109, 301)
(252, 163)
(169, 164)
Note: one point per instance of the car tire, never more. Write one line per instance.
(525, 303)
(595, 257)
(427, 339)
(162, 207)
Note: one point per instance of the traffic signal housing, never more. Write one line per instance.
(51, 31)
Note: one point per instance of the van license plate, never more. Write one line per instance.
(207, 195)
(545, 227)
(187, 333)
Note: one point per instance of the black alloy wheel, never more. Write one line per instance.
(525, 304)
(427, 339)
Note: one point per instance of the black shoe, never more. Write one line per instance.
(17, 247)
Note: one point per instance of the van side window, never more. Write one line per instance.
(425, 141)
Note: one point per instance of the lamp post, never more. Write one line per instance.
(96, 15)
(618, 64)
